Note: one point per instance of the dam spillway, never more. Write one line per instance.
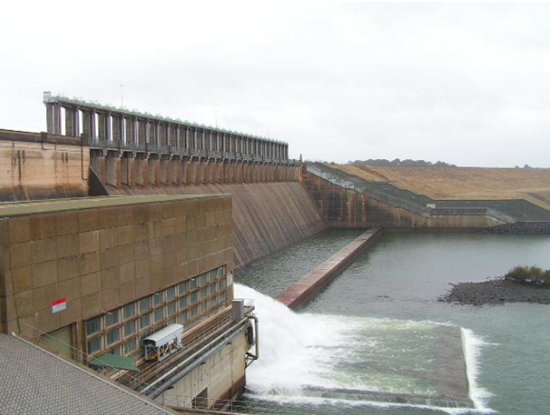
(343, 361)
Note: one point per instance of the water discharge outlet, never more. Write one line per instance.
(342, 360)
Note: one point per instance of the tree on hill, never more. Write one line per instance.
(400, 163)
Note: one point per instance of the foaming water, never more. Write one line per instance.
(472, 350)
(316, 359)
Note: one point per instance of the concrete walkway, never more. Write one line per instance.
(299, 293)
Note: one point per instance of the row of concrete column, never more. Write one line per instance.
(116, 171)
(133, 131)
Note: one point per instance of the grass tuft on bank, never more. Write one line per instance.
(529, 275)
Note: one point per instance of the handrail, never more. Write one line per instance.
(157, 368)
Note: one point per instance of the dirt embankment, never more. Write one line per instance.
(464, 183)
(496, 291)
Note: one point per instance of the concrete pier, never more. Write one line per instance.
(299, 293)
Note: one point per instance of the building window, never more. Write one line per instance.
(144, 304)
(129, 328)
(128, 311)
(170, 293)
(171, 309)
(112, 318)
(112, 336)
(182, 289)
(213, 288)
(159, 314)
(157, 299)
(145, 321)
(93, 326)
(95, 345)
(119, 331)
(202, 280)
(130, 345)
(116, 351)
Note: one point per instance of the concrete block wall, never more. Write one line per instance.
(267, 217)
(41, 166)
(100, 253)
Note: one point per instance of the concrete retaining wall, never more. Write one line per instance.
(41, 166)
(221, 378)
(299, 293)
(355, 203)
(267, 217)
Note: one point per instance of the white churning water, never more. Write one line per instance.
(305, 358)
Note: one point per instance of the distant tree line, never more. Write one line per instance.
(400, 163)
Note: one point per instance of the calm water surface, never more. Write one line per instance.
(275, 273)
(401, 278)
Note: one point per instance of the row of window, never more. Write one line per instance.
(120, 331)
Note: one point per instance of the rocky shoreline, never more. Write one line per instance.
(496, 291)
(520, 228)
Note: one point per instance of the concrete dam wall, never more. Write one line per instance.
(349, 201)
(41, 166)
(267, 217)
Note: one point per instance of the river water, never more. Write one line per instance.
(373, 327)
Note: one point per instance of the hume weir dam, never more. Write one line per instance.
(180, 267)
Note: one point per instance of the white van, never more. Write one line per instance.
(158, 346)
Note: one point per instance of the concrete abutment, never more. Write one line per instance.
(305, 289)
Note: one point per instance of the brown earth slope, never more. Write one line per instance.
(463, 182)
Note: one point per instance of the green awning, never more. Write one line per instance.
(117, 362)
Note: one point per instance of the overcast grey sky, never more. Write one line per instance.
(465, 83)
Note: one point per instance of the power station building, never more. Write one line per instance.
(90, 277)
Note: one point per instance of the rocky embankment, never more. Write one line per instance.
(495, 292)
(521, 228)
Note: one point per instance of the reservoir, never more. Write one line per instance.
(374, 327)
